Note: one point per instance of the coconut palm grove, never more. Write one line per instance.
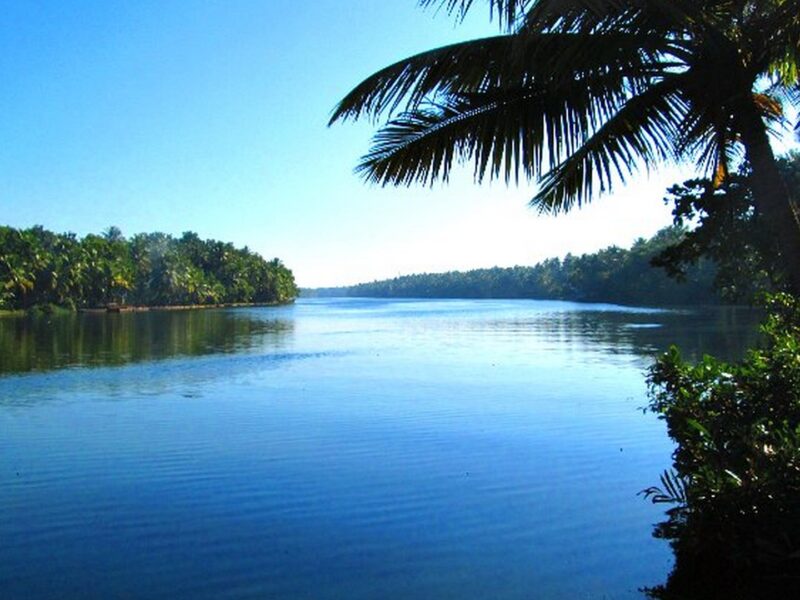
(40, 269)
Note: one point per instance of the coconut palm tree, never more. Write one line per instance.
(580, 94)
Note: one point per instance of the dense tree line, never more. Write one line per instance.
(719, 248)
(40, 267)
(614, 274)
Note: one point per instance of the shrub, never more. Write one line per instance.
(735, 482)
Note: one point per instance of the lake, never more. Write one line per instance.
(339, 448)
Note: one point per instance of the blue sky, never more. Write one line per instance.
(211, 116)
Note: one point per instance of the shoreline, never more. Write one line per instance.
(172, 307)
(111, 309)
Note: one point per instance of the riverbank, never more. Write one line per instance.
(149, 268)
(126, 309)
(51, 309)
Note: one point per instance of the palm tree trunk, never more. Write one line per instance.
(771, 194)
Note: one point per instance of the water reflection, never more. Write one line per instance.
(714, 578)
(725, 332)
(90, 340)
(439, 448)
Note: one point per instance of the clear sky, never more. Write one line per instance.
(211, 116)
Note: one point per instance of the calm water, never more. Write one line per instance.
(338, 449)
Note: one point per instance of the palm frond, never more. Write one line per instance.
(609, 15)
(505, 62)
(793, 94)
(674, 490)
(710, 133)
(642, 131)
(708, 137)
(394, 157)
(454, 67)
(508, 12)
(580, 93)
(797, 128)
(770, 107)
(422, 145)
(566, 15)
(506, 133)
(775, 41)
(567, 130)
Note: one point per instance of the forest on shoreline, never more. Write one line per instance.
(42, 268)
(613, 275)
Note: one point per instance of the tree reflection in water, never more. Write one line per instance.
(43, 343)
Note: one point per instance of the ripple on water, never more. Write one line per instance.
(453, 449)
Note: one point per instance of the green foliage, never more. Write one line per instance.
(728, 229)
(610, 275)
(38, 267)
(736, 479)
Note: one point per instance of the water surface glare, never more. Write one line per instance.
(338, 448)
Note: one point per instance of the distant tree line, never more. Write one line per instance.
(40, 267)
(616, 275)
(718, 250)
